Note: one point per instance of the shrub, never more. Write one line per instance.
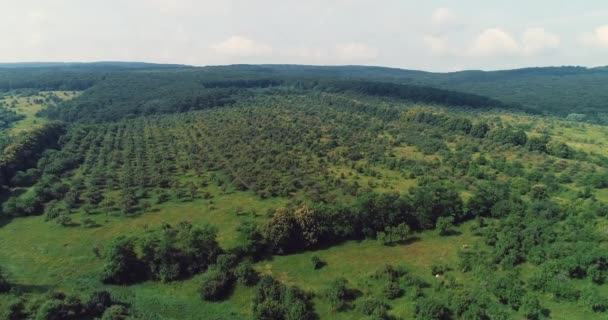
(374, 308)
(317, 263)
(432, 309)
(122, 264)
(338, 294)
(246, 275)
(115, 312)
(392, 290)
(216, 285)
(444, 224)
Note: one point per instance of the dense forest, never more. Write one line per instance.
(294, 192)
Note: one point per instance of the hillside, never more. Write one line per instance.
(297, 192)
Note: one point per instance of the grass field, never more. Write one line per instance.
(29, 106)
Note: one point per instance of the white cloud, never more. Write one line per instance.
(242, 47)
(537, 40)
(493, 42)
(598, 38)
(497, 42)
(443, 18)
(355, 52)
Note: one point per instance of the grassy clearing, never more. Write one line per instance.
(29, 106)
(42, 255)
(357, 261)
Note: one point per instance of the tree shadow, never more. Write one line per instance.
(30, 288)
(451, 232)
(407, 241)
(352, 294)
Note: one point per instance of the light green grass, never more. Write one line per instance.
(357, 261)
(29, 108)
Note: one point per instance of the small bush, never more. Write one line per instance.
(317, 263)
(246, 275)
(216, 285)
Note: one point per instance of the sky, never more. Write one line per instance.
(424, 35)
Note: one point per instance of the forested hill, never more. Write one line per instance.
(66, 76)
(551, 90)
(576, 91)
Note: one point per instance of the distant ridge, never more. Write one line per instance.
(104, 64)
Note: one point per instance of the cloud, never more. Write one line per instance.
(537, 40)
(497, 42)
(492, 42)
(598, 38)
(242, 47)
(355, 52)
(443, 18)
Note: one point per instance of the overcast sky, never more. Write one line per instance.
(428, 35)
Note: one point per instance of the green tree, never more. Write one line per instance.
(122, 264)
(444, 224)
(338, 294)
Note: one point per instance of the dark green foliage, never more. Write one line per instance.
(374, 308)
(317, 263)
(338, 294)
(246, 275)
(532, 309)
(116, 312)
(508, 289)
(216, 285)
(176, 252)
(432, 309)
(479, 130)
(275, 301)
(5, 285)
(392, 290)
(23, 153)
(122, 264)
(100, 305)
(559, 149)
(444, 224)
(595, 300)
(8, 117)
(433, 201)
(512, 136)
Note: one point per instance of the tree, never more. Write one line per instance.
(281, 231)
(216, 284)
(444, 224)
(251, 241)
(246, 275)
(122, 264)
(433, 201)
(532, 309)
(128, 201)
(402, 231)
(338, 294)
(308, 221)
(116, 312)
(479, 130)
(432, 309)
(559, 149)
(539, 192)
